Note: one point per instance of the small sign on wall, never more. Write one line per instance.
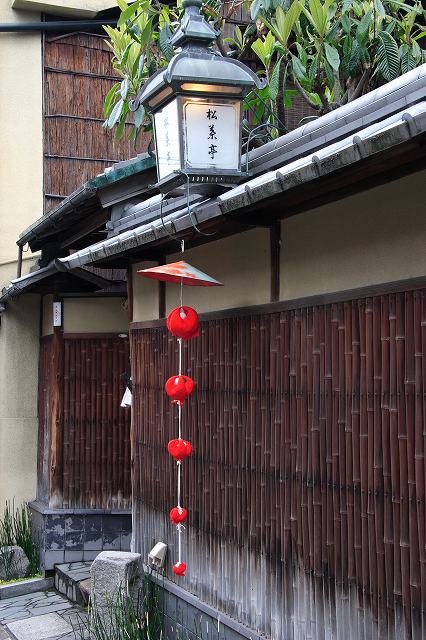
(57, 314)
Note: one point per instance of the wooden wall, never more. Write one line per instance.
(77, 76)
(306, 488)
(93, 456)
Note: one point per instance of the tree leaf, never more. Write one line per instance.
(115, 114)
(124, 88)
(332, 56)
(408, 61)
(346, 23)
(109, 97)
(388, 64)
(164, 40)
(379, 8)
(141, 64)
(126, 14)
(138, 116)
(274, 80)
(363, 27)
(298, 68)
(255, 8)
(303, 56)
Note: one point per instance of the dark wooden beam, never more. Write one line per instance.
(130, 293)
(275, 249)
(55, 422)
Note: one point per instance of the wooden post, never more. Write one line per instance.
(55, 421)
(130, 293)
(162, 293)
(275, 248)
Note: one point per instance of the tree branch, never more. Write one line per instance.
(361, 84)
(305, 95)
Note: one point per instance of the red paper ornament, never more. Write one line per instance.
(179, 568)
(179, 449)
(180, 272)
(178, 515)
(183, 322)
(178, 388)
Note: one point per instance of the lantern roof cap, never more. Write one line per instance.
(193, 27)
(196, 62)
(200, 66)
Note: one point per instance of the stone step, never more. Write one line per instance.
(72, 579)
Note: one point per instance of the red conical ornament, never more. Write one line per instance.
(180, 272)
(178, 515)
(183, 322)
(179, 568)
(179, 449)
(178, 388)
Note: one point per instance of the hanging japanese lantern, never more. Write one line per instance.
(179, 449)
(183, 322)
(178, 388)
(179, 569)
(178, 515)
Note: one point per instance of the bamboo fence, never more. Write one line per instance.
(306, 488)
(95, 430)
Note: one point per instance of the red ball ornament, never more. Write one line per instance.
(182, 322)
(179, 388)
(179, 568)
(178, 515)
(179, 449)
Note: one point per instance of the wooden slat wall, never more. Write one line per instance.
(77, 76)
(306, 488)
(95, 429)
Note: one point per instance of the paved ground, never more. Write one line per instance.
(45, 615)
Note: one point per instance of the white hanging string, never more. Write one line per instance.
(179, 527)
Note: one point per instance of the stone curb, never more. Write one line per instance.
(22, 588)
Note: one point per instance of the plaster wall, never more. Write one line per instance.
(19, 352)
(21, 202)
(145, 294)
(87, 315)
(368, 238)
(68, 8)
(95, 315)
(21, 151)
(241, 262)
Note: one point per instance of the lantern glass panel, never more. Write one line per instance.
(211, 133)
(166, 126)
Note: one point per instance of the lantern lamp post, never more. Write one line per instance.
(196, 106)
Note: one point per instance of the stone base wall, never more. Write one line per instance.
(188, 618)
(75, 535)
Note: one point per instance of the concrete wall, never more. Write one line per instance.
(21, 202)
(373, 237)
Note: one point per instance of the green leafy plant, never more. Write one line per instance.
(16, 529)
(137, 618)
(327, 51)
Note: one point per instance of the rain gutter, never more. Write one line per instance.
(59, 25)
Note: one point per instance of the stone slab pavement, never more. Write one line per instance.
(44, 615)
